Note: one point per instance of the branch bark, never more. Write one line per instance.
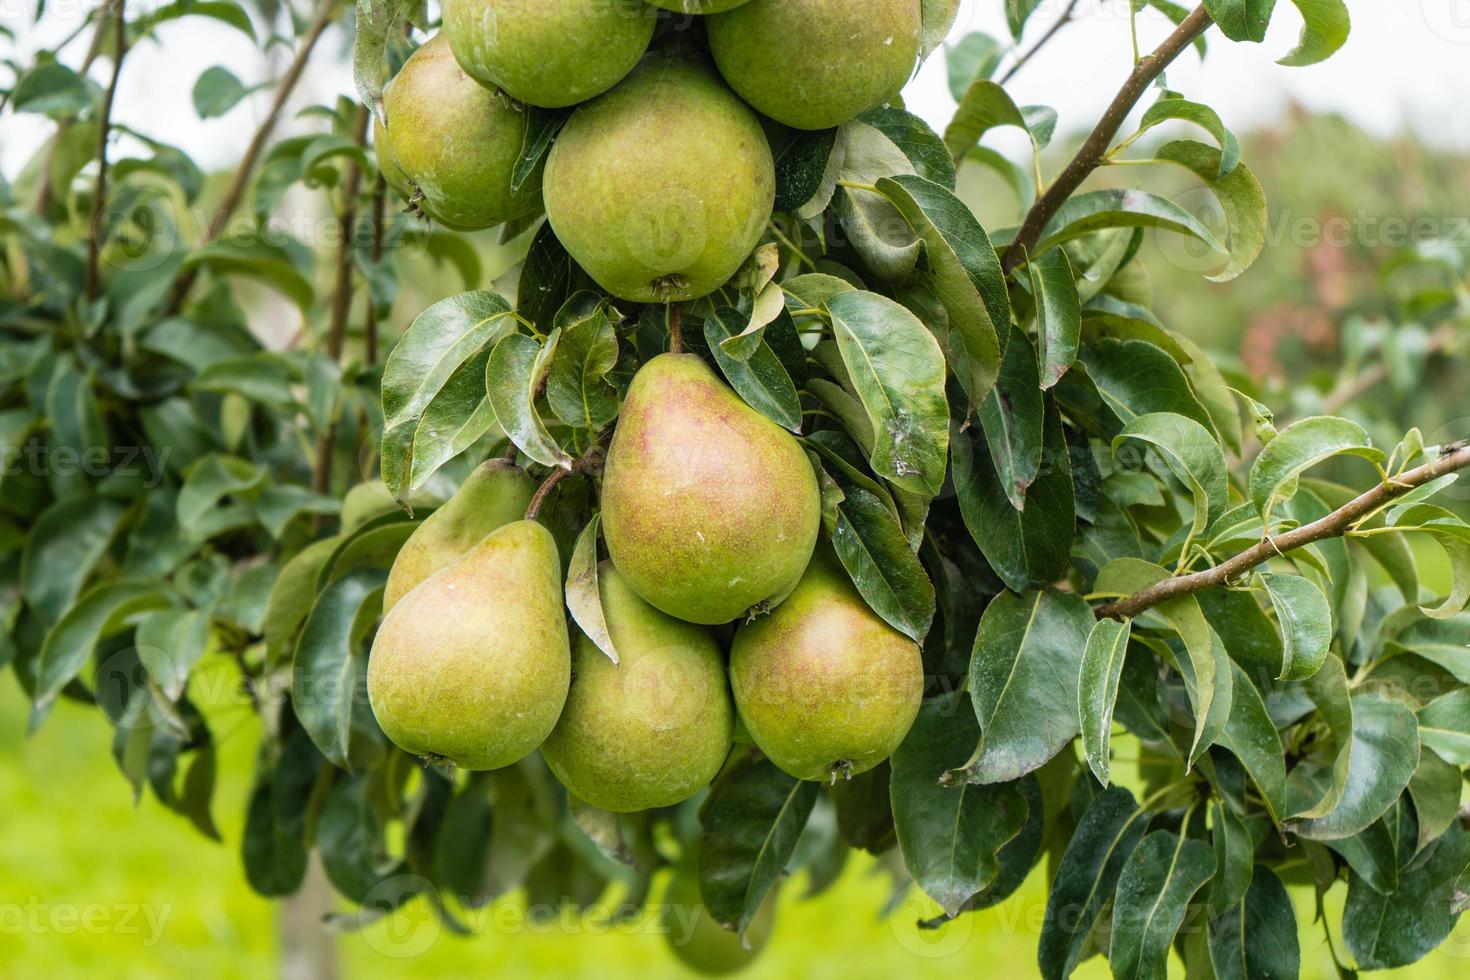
(1334, 525)
(235, 193)
(104, 126)
(1094, 149)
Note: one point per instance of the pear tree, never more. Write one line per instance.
(770, 509)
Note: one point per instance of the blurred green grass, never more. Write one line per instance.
(86, 877)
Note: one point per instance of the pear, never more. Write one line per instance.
(455, 142)
(651, 730)
(495, 494)
(701, 943)
(709, 508)
(661, 188)
(472, 667)
(826, 688)
(697, 6)
(868, 51)
(548, 53)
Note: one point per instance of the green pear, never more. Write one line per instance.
(651, 730)
(495, 494)
(455, 141)
(548, 53)
(710, 510)
(697, 6)
(867, 52)
(701, 943)
(472, 666)
(826, 688)
(661, 188)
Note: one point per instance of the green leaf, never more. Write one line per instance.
(376, 19)
(1240, 196)
(224, 11)
(1383, 755)
(1329, 692)
(1154, 891)
(1257, 936)
(871, 545)
(169, 643)
(577, 388)
(1192, 454)
(1386, 931)
(64, 546)
(1241, 20)
(1172, 106)
(950, 836)
(208, 482)
(541, 130)
(937, 17)
(1444, 726)
(886, 244)
(265, 378)
(1096, 210)
(267, 264)
(1453, 535)
(971, 58)
(1058, 314)
(1234, 857)
(1097, 691)
(441, 353)
(105, 610)
(291, 599)
(985, 106)
(1013, 418)
(912, 135)
(217, 92)
(752, 820)
(1435, 792)
(1297, 449)
(761, 380)
(898, 372)
(1252, 738)
(1135, 377)
(584, 594)
(52, 89)
(1086, 877)
(965, 273)
(806, 169)
(1306, 624)
(1325, 28)
(1030, 547)
(1023, 678)
(329, 674)
(518, 365)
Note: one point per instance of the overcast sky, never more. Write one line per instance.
(1407, 64)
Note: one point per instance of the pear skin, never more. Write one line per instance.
(825, 687)
(698, 6)
(663, 186)
(709, 508)
(651, 730)
(455, 141)
(472, 666)
(495, 494)
(868, 51)
(548, 53)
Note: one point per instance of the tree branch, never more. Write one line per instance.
(341, 295)
(370, 317)
(104, 125)
(235, 193)
(1068, 15)
(42, 201)
(1335, 525)
(1094, 149)
(1351, 389)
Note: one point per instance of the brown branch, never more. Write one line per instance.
(42, 201)
(370, 317)
(1094, 149)
(1068, 15)
(1351, 389)
(1334, 525)
(341, 295)
(104, 126)
(235, 193)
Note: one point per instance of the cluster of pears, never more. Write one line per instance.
(661, 182)
(711, 515)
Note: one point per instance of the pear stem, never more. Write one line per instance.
(542, 492)
(676, 328)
